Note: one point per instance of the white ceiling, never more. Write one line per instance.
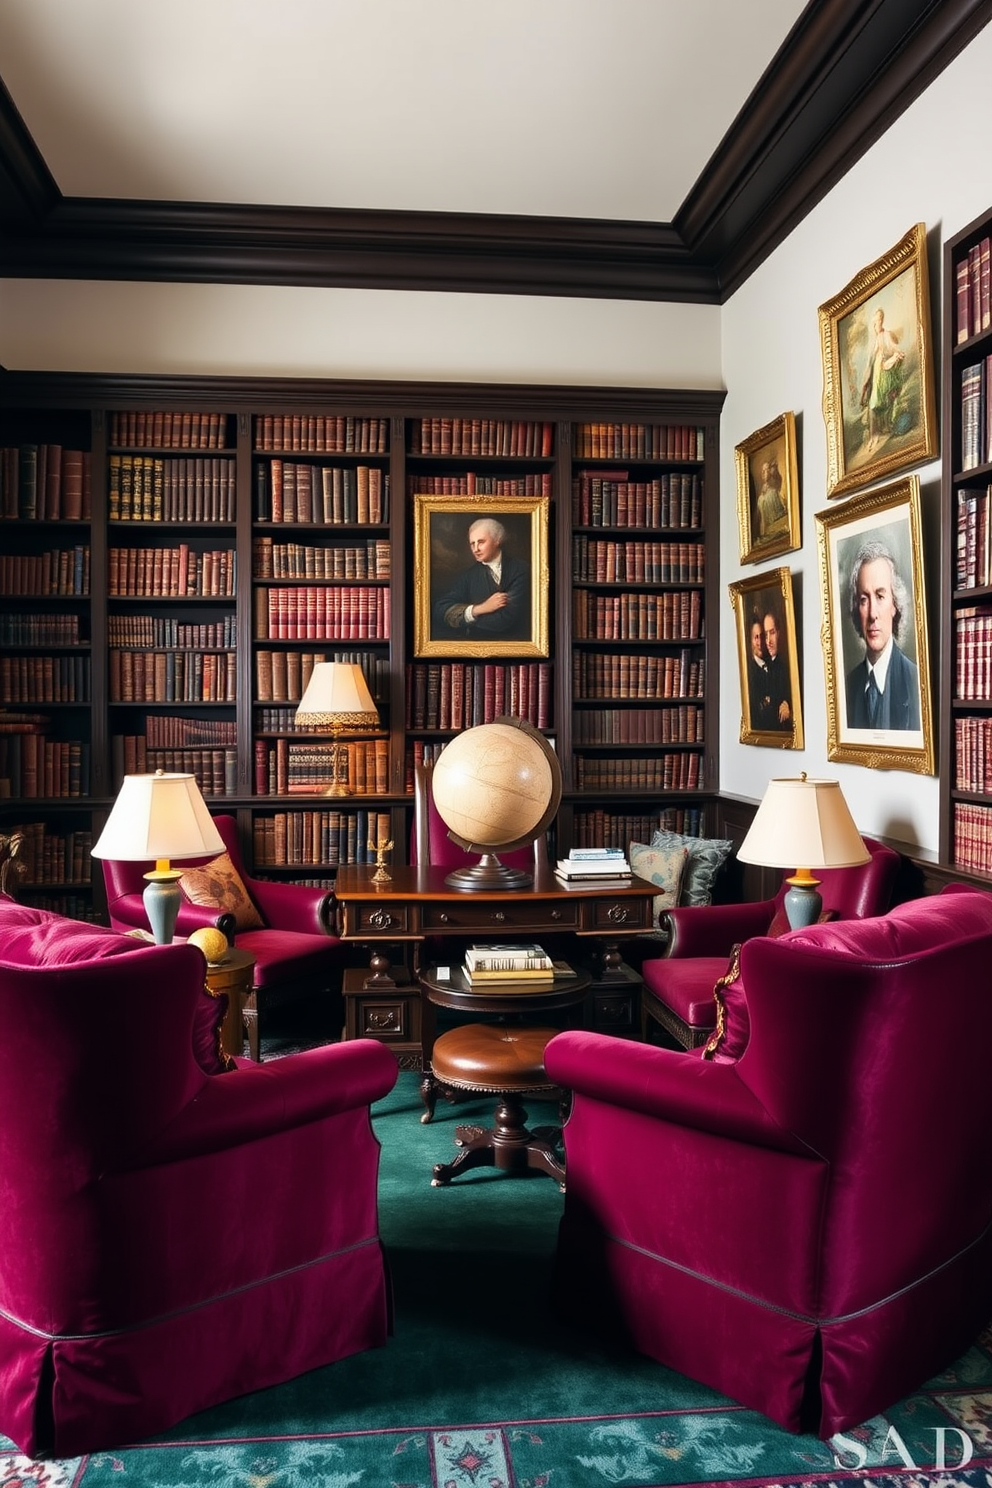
(573, 108)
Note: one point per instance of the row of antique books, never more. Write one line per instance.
(470, 483)
(172, 731)
(599, 561)
(973, 754)
(973, 290)
(611, 499)
(976, 414)
(321, 495)
(40, 630)
(972, 837)
(45, 679)
(276, 560)
(45, 483)
(55, 857)
(61, 572)
(283, 767)
(153, 488)
(356, 613)
(973, 653)
(215, 769)
(335, 434)
(166, 429)
(281, 675)
(161, 630)
(173, 676)
(517, 438)
(682, 724)
(675, 615)
(171, 573)
(626, 441)
(456, 695)
(321, 837)
(973, 565)
(32, 766)
(620, 674)
(594, 825)
(664, 772)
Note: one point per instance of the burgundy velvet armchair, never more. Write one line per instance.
(171, 1235)
(678, 987)
(296, 953)
(807, 1228)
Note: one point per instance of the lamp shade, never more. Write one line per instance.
(337, 696)
(803, 822)
(158, 816)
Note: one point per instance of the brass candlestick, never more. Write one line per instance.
(381, 874)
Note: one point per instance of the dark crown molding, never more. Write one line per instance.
(845, 72)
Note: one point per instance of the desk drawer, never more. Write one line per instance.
(471, 917)
(368, 921)
(620, 914)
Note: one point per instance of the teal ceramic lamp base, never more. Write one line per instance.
(162, 899)
(802, 900)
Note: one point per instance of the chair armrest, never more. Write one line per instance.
(667, 1084)
(286, 906)
(255, 1101)
(714, 929)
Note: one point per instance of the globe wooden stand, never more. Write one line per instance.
(489, 873)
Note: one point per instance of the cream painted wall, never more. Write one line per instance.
(927, 168)
(270, 331)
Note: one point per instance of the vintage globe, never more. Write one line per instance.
(496, 786)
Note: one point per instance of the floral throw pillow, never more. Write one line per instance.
(707, 856)
(664, 866)
(217, 885)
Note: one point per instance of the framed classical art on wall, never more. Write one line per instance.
(481, 577)
(878, 377)
(874, 635)
(768, 491)
(768, 658)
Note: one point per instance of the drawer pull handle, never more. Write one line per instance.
(499, 916)
(443, 918)
(556, 914)
(380, 919)
(616, 914)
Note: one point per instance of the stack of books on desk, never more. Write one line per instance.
(507, 963)
(593, 865)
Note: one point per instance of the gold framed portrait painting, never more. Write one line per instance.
(874, 634)
(878, 376)
(768, 491)
(768, 659)
(481, 579)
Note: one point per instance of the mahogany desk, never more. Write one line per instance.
(385, 1001)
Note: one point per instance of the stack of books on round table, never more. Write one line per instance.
(593, 865)
(525, 965)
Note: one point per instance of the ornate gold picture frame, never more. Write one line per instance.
(878, 379)
(768, 491)
(768, 659)
(481, 580)
(874, 634)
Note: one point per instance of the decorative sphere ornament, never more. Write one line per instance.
(496, 786)
(212, 942)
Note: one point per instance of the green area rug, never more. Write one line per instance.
(480, 1387)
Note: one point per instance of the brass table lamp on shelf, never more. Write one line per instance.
(337, 699)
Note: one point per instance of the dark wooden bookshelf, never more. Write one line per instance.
(101, 416)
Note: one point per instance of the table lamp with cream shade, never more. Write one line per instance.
(337, 698)
(161, 817)
(804, 824)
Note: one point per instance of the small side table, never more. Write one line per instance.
(235, 976)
